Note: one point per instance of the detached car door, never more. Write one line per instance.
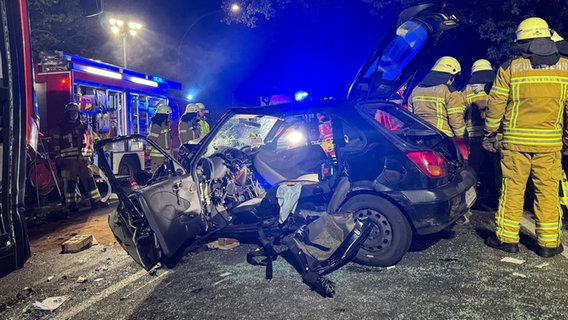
(159, 213)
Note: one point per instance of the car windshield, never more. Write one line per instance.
(242, 131)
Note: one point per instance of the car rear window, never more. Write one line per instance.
(410, 38)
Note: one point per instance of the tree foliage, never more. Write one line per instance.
(58, 25)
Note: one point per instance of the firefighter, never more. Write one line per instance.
(528, 100)
(188, 128)
(73, 148)
(160, 132)
(437, 102)
(202, 120)
(476, 96)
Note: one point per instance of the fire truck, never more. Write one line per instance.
(19, 127)
(114, 101)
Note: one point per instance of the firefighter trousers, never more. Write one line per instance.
(545, 170)
(71, 169)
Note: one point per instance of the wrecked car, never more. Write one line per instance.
(332, 181)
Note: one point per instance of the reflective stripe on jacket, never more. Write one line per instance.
(530, 103)
(440, 105)
(162, 136)
(72, 140)
(186, 131)
(475, 104)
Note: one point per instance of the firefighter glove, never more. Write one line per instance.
(490, 142)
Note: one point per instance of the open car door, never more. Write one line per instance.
(159, 213)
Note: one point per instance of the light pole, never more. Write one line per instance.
(124, 29)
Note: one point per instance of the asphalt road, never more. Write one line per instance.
(450, 275)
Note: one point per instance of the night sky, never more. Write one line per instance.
(319, 51)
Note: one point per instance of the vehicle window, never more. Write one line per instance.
(394, 118)
(410, 38)
(241, 131)
(304, 130)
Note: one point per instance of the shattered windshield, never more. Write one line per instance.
(241, 132)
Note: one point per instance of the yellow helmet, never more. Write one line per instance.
(191, 107)
(200, 106)
(556, 37)
(481, 65)
(447, 64)
(532, 28)
(163, 109)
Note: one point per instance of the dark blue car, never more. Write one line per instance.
(366, 156)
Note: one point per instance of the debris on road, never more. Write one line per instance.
(520, 275)
(50, 278)
(82, 279)
(513, 260)
(224, 244)
(542, 265)
(77, 243)
(51, 303)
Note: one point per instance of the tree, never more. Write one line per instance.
(59, 26)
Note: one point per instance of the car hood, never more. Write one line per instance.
(403, 50)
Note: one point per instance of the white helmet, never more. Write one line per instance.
(190, 108)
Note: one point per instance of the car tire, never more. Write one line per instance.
(391, 235)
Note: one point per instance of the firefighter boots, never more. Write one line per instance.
(550, 252)
(493, 242)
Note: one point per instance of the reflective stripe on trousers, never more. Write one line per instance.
(545, 170)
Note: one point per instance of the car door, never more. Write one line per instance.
(159, 213)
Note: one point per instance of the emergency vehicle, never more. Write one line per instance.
(114, 101)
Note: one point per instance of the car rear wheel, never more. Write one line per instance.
(391, 235)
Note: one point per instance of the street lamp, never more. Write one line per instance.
(234, 8)
(124, 29)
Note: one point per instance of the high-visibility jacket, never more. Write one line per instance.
(204, 127)
(440, 105)
(161, 134)
(530, 103)
(72, 140)
(188, 130)
(475, 105)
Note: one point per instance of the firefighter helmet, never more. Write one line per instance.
(556, 37)
(447, 64)
(163, 109)
(481, 65)
(532, 28)
(200, 106)
(71, 106)
(190, 108)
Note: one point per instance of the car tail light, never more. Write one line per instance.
(462, 147)
(429, 162)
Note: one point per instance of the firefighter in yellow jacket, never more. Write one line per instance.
(528, 100)
(188, 127)
(160, 132)
(204, 127)
(72, 145)
(476, 99)
(437, 102)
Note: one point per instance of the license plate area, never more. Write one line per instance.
(470, 196)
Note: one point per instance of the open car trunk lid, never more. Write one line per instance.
(420, 32)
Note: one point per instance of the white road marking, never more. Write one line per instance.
(69, 314)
